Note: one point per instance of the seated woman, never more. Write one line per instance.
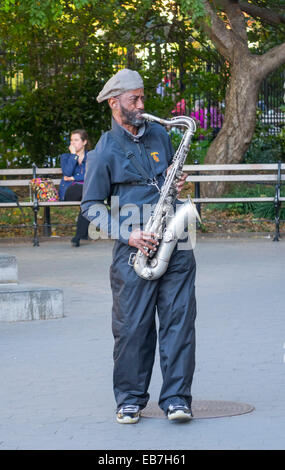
(73, 169)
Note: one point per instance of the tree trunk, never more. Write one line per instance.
(240, 117)
(247, 73)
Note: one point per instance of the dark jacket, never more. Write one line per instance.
(70, 167)
(110, 172)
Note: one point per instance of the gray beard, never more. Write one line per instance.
(130, 118)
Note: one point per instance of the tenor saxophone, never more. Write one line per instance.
(167, 224)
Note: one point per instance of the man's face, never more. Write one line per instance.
(131, 105)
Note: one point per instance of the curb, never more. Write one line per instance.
(223, 235)
(199, 235)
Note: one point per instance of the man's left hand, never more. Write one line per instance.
(181, 182)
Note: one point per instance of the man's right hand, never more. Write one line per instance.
(142, 240)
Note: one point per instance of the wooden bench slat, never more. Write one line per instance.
(13, 204)
(23, 182)
(16, 171)
(186, 168)
(191, 178)
(41, 204)
(201, 178)
(233, 199)
(14, 182)
(49, 171)
(236, 167)
(29, 171)
(59, 203)
(196, 200)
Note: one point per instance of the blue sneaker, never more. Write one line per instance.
(128, 414)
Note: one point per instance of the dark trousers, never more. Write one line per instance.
(74, 193)
(135, 303)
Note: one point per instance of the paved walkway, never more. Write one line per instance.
(56, 375)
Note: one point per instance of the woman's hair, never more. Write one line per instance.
(84, 136)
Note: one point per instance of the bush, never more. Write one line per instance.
(198, 148)
(38, 123)
(265, 148)
(264, 210)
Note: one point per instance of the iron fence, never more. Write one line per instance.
(201, 101)
(201, 87)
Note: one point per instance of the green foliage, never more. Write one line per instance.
(157, 106)
(40, 13)
(198, 151)
(196, 7)
(198, 148)
(68, 50)
(38, 122)
(64, 50)
(264, 210)
(263, 36)
(265, 147)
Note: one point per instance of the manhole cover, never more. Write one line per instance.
(204, 409)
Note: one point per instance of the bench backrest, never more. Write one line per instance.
(27, 174)
(271, 174)
(24, 175)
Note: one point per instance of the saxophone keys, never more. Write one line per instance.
(132, 258)
(168, 236)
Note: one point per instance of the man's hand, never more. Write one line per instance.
(181, 182)
(142, 240)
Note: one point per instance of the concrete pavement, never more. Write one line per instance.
(56, 387)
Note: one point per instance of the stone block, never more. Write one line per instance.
(23, 302)
(8, 269)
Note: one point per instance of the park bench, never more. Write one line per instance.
(20, 178)
(267, 173)
(272, 173)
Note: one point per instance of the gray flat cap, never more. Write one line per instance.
(124, 80)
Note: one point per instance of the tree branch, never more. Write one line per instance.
(217, 32)
(269, 16)
(272, 59)
(236, 19)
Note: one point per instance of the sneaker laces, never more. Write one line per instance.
(129, 409)
(179, 407)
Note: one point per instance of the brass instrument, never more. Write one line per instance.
(169, 225)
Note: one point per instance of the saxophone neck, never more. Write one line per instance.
(185, 121)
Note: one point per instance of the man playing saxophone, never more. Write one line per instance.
(130, 162)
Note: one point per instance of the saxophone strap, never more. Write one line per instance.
(137, 164)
